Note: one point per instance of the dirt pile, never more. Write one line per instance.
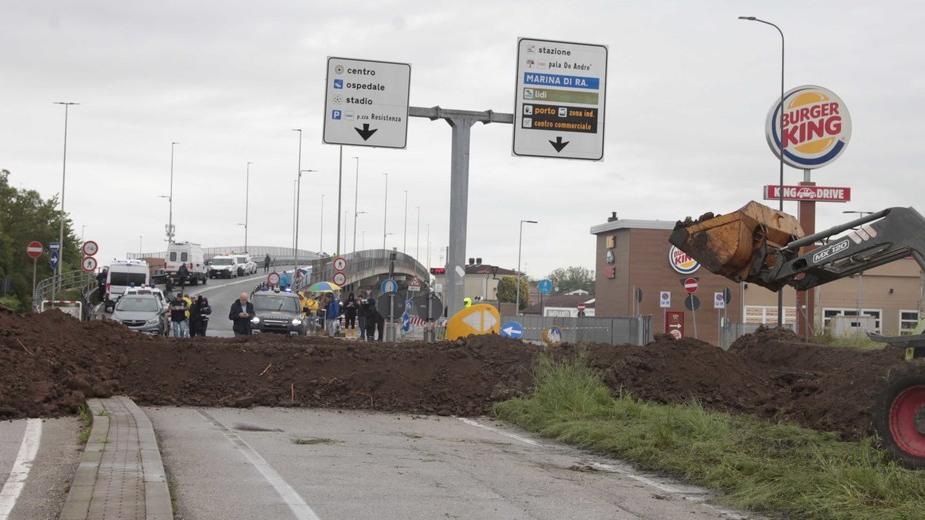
(51, 362)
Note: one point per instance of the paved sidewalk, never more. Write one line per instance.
(121, 476)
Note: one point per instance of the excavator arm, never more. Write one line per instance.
(745, 248)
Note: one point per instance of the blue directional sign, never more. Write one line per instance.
(388, 286)
(53, 261)
(54, 246)
(512, 329)
(405, 322)
(545, 286)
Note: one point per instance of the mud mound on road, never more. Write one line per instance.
(51, 362)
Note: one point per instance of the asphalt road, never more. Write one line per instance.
(34, 482)
(221, 294)
(306, 464)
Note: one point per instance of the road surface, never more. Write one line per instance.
(38, 457)
(221, 294)
(277, 463)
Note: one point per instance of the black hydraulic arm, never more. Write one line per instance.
(873, 240)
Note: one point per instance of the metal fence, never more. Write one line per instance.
(733, 331)
(83, 282)
(614, 331)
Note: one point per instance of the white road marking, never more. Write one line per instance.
(290, 497)
(31, 438)
(514, 436)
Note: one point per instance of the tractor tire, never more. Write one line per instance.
(899, 417)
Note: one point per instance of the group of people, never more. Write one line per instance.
(360, 314)
(188, 317)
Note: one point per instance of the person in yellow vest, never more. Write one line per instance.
(467, 302)
(189, 304)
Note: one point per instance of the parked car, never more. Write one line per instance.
(142, 313)
(279, 312)
(246, 265)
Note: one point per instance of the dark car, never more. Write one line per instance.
(279, 312)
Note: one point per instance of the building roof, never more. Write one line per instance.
(614, 225)
(570, 301)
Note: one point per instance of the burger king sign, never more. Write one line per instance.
(682, 262)
(816, 127)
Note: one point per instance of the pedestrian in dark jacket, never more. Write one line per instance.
(362, 314)
(182, 275)
(178, 318)
(241, 313)
(266, 263)
(350, 312)
(199, 316)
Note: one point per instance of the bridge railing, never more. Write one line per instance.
(83, 282)
(369, 261)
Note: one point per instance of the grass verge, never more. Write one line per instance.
(774, 468)
(86, 423)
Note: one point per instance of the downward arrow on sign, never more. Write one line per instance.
(559, 144)
(366, 133)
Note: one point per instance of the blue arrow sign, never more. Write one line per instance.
(405, 322)
(53, 261)
(512, 329)
(545, 286)
(388, 286)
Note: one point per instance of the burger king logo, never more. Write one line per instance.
(682, 262)
(816, 127)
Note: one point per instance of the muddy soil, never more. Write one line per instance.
(50, 363)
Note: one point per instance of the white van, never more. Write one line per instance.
(246, 266)
(124, 274)
(189, 254)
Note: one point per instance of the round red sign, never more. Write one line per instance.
(34, 249)
(690, 285)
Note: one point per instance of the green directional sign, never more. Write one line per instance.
(562, 96)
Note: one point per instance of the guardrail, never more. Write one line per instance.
(615, 331)
(363, 264)
(84, 282)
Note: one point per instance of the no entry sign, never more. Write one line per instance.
(690, 285)
(34, 249)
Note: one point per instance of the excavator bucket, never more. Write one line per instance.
(735, 245)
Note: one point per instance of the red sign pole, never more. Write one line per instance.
(35, 262)
(805, 300)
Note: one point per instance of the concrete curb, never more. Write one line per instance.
(157, 504)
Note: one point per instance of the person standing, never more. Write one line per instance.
(332, 313)
(101, 283)
(199, 316)
(266, 263)
(241, 313)
(362, 313)
(350, 312)
(178, 318)
(182, 275)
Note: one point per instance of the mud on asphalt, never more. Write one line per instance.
(49, 363)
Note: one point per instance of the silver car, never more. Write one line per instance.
(143, 313)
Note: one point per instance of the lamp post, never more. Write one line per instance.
(244, 226)
(295, 239)
(417, 240)
(321, 230)
(356, 197)
(783, 144)
(520, 241)
(385, 208)
(860, 274)
(247, 194)
(170, 230)
(404, 246)
(67, 105)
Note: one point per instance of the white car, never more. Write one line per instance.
(223, 266)
(246, 265)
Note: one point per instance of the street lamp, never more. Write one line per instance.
(247, 194)
(356, 195)
(417, 241)
(385, 208)
(404, 247)
(245, 229)
(298, 196)
(321, 231)
(169, 198)
(520, 241)
(67, 105)
(295, 239)
(783, 144)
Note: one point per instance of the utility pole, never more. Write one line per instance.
(520, 242)
(61, 218)
(385, 208)
(340, 182)
(356, 196)
(321, 231)
(247, 194)
(404, 246)
(417, 240)
(295, 247)
(170, 230)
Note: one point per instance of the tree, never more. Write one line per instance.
(507, 291)
(572, 278)
(25, 216)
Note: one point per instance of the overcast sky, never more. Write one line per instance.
(689, 87)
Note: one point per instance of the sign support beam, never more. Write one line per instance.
(461, 122)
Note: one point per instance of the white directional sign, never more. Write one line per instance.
(366, 103)
(559, 107)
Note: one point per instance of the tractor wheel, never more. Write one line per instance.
(899, 417)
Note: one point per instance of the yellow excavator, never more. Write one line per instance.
(760, 245)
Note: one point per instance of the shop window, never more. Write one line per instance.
(907, 321)
(767, 315)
